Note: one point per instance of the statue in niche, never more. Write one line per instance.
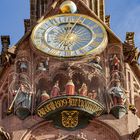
(44, 96)
(92, 94)
(41, 67)
(115, 76)
(117, 94)
(115, 63)
(70, 88)
(55, 90)
(83, 90)
(47, 63)
(96, 62)
(23, 67)
(23, 98)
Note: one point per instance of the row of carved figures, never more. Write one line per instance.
(116, 93)
(69, 90)
(44, 65)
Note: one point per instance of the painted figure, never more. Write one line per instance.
(96, 62)
(23, 67)
(44, 96)
(41, 67)
(92, 94)
(117, 94)
(115, 63)
(23, 98)
(115, 76)
(55, 90)
(83, 90)
(70, 88)
(47, 63)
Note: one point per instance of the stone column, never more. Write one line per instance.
(102, 10)
(33, 11)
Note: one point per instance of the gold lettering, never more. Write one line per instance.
(46, 110)
(47, 107)
(58, 104)
(82, 104)
(79, 101)
(52, 106)
(74, 102)
(64, 102)
(70, 101)
(41, 112)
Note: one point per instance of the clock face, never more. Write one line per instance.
(69, 35)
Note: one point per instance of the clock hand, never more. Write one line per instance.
(66, 39)
(71, 29)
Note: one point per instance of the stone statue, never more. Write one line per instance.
(23, 98)
(70, 88)
(44, 96)
(47, 63)
(83, 90)
(23, 67)
(92, 94)
(41, 67)
(115, 63)
(96, 62)
(55, 90)
(117, 94)
(115, 76)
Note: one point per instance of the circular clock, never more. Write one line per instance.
(70, 35)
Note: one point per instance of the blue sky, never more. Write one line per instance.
(125, 16)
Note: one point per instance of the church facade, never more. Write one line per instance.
(69, 77)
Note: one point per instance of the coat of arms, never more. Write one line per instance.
(70, 118)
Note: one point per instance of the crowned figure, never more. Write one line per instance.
(55, 90)
(83, 90)
(70, 88)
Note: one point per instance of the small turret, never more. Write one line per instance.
(107, 20)
(5, 41)
(26, 24)
(130, 38)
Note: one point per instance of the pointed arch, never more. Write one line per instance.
(96, 129)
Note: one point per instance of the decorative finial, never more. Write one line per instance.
(68, 7)
(130, 38)
(107, 20)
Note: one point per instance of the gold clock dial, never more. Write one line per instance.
(69, 35)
